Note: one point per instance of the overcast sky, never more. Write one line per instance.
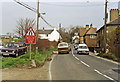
(66, 12)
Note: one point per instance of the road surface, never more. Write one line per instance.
(82, 67)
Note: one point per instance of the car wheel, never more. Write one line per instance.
(59, 53)
(77, 52)
(67, 52)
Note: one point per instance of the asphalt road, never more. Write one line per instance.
(82, 67)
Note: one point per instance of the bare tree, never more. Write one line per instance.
(23, 25)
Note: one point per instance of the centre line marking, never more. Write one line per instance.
(104, 75)
(79, 59)
(85, 64)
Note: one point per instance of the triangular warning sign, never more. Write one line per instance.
(30, 32)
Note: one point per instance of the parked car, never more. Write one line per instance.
(13, 49)
(76, 46)
(63, 47)
(82, 48)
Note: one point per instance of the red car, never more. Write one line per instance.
(13, 49)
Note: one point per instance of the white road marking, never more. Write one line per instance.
(50, 74)
(95, 69)
(77, 58)
(104, 75)
(84, 63)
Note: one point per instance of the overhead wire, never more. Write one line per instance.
(87, 5)
(34, 10)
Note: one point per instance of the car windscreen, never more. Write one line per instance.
(63, 45)
(12, 45)
(83, 47)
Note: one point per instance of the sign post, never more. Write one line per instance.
(30, 37)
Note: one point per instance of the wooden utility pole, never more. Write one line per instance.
(59, 30)
(59, 26)
(105, 27)
(38, 15)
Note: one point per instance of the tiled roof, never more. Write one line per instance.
(115, 21)
(44, 31)
(82, 31)
(91, 30)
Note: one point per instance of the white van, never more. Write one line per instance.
(82, 48)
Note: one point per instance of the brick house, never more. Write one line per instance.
(89, 36)
(82, 33)
(111, 26)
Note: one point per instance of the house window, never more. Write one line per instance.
(92, 36)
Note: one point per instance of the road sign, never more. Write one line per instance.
(30, 36)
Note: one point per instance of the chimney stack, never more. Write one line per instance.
(114, 13)
(90, 25)
(87, 27)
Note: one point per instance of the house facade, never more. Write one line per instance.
(88, 36)
(82, 33)
(51, 35)
(111, 26)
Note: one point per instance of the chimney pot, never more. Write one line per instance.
(114, 13)
(87, 26)
(91, 25)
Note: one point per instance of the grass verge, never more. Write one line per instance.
(23, 60)
(109, 56)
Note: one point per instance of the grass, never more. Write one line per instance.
(108, 56)
(40, 57)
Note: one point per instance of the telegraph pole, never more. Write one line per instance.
(38, 15)
(59, 30)
(105, 27)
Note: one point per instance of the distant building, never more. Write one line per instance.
(76, 38)
(83, 30)
(88, 36)
(51, 35)
(4, 36)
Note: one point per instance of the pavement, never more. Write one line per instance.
(83, 67)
